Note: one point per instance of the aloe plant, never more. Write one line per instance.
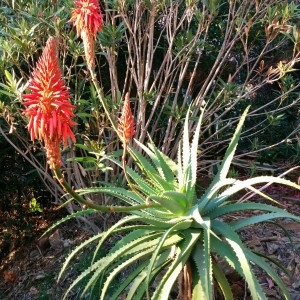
(179, 231)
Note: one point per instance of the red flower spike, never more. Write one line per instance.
(87, 16)
(126, 122)
(48, 104)
(88, 20)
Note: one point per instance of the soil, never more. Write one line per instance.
(29, 265)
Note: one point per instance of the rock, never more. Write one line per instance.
(56, 241)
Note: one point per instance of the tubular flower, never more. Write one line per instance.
(126, 122)
(88, 20)
(48, 104)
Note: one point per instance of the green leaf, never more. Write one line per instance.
(143, 186)
(94, 238)
(75, 251)
(142, 162)
(262, 218)
(173, 201)
(176, 227)
(138, 287)
(111, 260)
(227, 254)
(134, 279)
(127, 196)
(239, 261)
(186, 152)
(180, 174)
(202, 257)
(240, 185)
(252, 282)
(7, 91)
(163, 184)
(152, 173)
(160, 161)
(193, 162)
(211, 195)
(236, 207)
(222, 281)
(69, 217)
(121, 266)
(112, 229)
(224, 168)
(256, 259)
(182, 253)
(177, 197)
(83, 147)
(134, 233)
(9, 77)
(141, 250)
(148, 188)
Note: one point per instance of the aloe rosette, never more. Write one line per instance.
(178, 229)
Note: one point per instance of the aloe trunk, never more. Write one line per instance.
(185, 283)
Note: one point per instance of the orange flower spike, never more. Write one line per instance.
(48, 103)
(88, 20)
(126, 122)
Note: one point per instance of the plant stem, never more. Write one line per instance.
(102, 100)
(102, 208)
(124, 168)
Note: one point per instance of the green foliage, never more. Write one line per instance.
(24, 28)
(35, 206)
(156, 243)
(111, 35)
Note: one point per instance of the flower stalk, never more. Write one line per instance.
(88, 20)
(90, 204)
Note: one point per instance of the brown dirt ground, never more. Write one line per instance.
(28, 268)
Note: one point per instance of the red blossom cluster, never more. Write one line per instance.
(88, 20)
(48, 104)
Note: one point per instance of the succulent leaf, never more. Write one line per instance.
(202, 258)
(175, 204)
(222, 281)
(182, 253)
(253, 284)
(262, 218)
(236, 207)
(139, 286)
(256, 259)
(139, 252)
(224, 168)
(160, 161)
(239, 185)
